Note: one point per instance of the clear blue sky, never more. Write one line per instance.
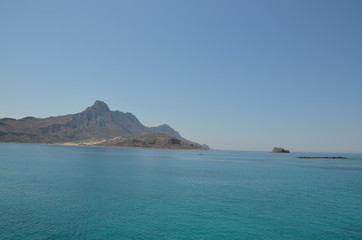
(246, 75)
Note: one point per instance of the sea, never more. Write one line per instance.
(83, 192)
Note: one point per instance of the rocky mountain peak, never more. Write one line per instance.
(101, 106)
(98, 107)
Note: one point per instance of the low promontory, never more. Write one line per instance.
(322, 157)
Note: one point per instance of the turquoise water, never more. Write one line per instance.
(69, 192)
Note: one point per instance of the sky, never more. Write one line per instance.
(239, 75)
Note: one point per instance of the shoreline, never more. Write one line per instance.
(300, 157)
(86, 144)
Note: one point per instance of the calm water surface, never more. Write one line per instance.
(68, 192)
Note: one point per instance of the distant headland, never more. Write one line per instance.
(97, 125)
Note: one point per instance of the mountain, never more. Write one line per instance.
(95, 124)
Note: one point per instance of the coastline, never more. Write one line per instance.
(87, 144)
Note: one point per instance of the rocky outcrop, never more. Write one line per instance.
(280, 150)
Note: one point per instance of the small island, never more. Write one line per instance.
(280, 150)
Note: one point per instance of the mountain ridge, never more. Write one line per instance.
(95, 123)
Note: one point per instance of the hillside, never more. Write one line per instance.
(95, 124)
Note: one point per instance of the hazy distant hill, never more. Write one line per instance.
(96, 123)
